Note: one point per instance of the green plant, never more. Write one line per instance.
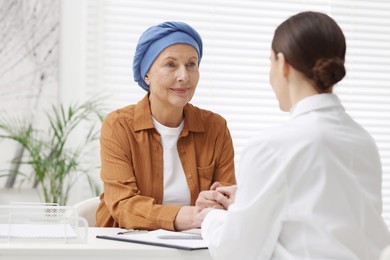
(54, 162)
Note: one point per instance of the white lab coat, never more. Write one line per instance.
(307, 189)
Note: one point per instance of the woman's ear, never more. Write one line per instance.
(147, 79)
(282, 63)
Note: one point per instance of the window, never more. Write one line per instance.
(234, 70)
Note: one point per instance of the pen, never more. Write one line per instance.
(132, 231)
(179, 237)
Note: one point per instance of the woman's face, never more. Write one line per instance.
(173, 76)
(278, 82)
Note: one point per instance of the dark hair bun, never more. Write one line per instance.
(328, 71)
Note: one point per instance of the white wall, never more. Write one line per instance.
(29, 56)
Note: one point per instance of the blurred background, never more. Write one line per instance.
(67, 52)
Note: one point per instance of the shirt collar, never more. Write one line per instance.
(193, 121)
(316, 102)
(143, 117)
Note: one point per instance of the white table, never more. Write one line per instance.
(95, 249)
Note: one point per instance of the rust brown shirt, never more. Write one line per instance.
(132, 164)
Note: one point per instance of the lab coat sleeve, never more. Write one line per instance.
(251, 226)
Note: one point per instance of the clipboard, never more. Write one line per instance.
(177, 240)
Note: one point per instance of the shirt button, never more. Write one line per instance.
(189, 176)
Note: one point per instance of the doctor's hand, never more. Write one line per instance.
(219, 197)
(208, 198)
(229, 193)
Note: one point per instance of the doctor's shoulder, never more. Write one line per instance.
(268, 140)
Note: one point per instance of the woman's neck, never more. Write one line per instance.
(300, 87)
(170, 117)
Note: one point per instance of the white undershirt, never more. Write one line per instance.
(176, 191)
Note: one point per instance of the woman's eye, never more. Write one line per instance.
(192, 65)
(170, 64)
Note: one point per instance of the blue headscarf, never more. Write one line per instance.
(155, 39)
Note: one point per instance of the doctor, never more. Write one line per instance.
(310, 188)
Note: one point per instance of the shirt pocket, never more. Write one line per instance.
(206, 176)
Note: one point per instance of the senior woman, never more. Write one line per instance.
(159, 154)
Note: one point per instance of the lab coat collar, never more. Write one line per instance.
(315, 102)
